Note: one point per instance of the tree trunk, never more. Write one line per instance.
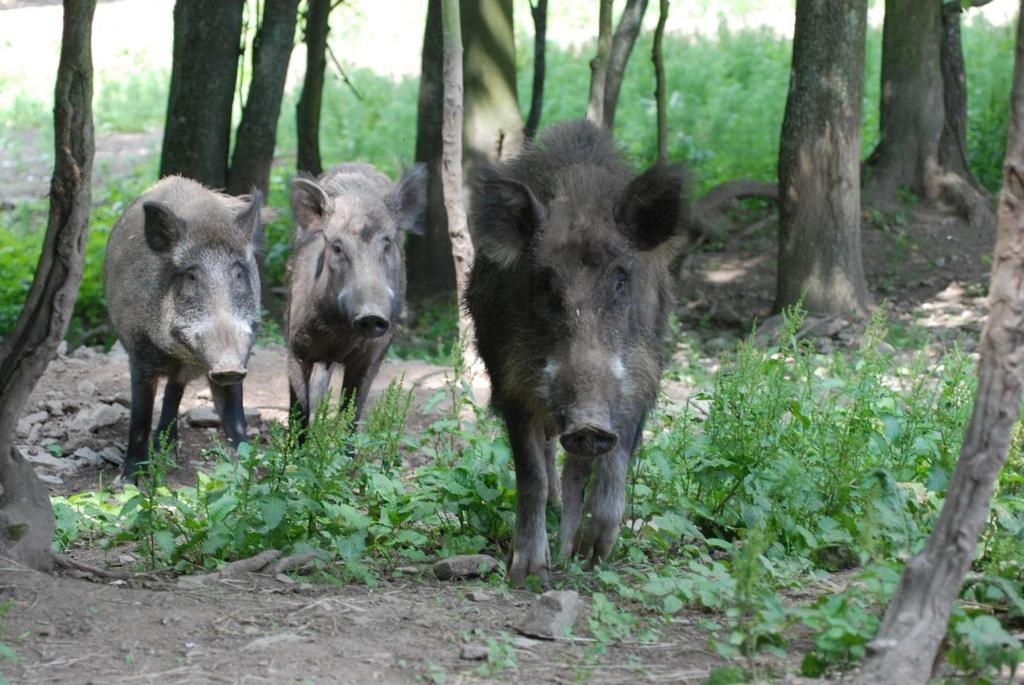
(916, 620)
(920, 79)
(819, 163)
(659, 82)
(429, 256)
(492, 124)
(307, 111)
(599, 65)
(539, 12)
(451, 158)
(257, 132)
(622, 45)
(26, 517)
(197, 134)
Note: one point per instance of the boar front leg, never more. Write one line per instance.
(319, 386)
(167, 426)
(298, 392)
(607, 500)
(530, 554)
(141, 420)
(574, 478)
(554, 490)
(228, 401)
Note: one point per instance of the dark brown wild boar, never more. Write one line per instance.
(569, 295)
(347, 277)
(183, 294)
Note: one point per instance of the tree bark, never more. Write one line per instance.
(599, 65)
(659, 82)
(819, 163)
(197, 133)
(916, 620)
(257, 132)
(539, 12)
(622, 45)
(26, 517)
(451, 158)
(429, 256)
(492, 124)
(307, 111)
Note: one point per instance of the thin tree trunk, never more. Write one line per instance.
(429, 256)
(197, 134)
(257, 132)
(307, 111)
(622, 45)
(26, 517)
(917, 617)
(819, 162)
(451, 157)
(539, 12)
(659, 81)
(599, 65)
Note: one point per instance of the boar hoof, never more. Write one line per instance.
(522, 567)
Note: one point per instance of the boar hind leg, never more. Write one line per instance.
(607, 500)
(228, 401)
(141, 420)
(554, 490)
(319, 386)
(530, 555)
(167, 426)
(574, 477)
(355, 387)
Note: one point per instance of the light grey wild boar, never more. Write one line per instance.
(183, 294)
(570, 293)
(346, 286)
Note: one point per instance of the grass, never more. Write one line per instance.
(804, 465)
(726, 97)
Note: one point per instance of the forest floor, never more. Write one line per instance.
(73, 627)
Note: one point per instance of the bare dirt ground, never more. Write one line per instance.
(70, 627)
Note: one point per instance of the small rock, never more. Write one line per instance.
(464, 566)
(123, 399)
(88, 455)
(202, 417)
(38, 457)
(62, 348)
(553, 615)
(83, 352)
(478, 596)
(50, 479)
(55, 407)
(112, 455)
(35, 417)
(824, 345)
(886, 348)
(33, 433)
(522, 642)
(968, 345)
(285, 578)
(86, 388)
(716, 345)
(204, 394)
(474, 652)
(98, 416)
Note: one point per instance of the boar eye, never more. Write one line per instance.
(388, 245)
(336, 248)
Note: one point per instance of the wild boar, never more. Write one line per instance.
(570, 294)
(346, 285)
(183, 295)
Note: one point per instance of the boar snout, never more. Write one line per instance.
(371, 325)
(227, 376)
(588, 433)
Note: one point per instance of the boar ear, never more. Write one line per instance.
(310, 204)
(505, 216)
(250, 218)
(650, 211)
(409, 201)
(162, 226)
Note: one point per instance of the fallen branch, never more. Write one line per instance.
(255, 563)
(707, 211)
(70, 564)
(293, 561)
